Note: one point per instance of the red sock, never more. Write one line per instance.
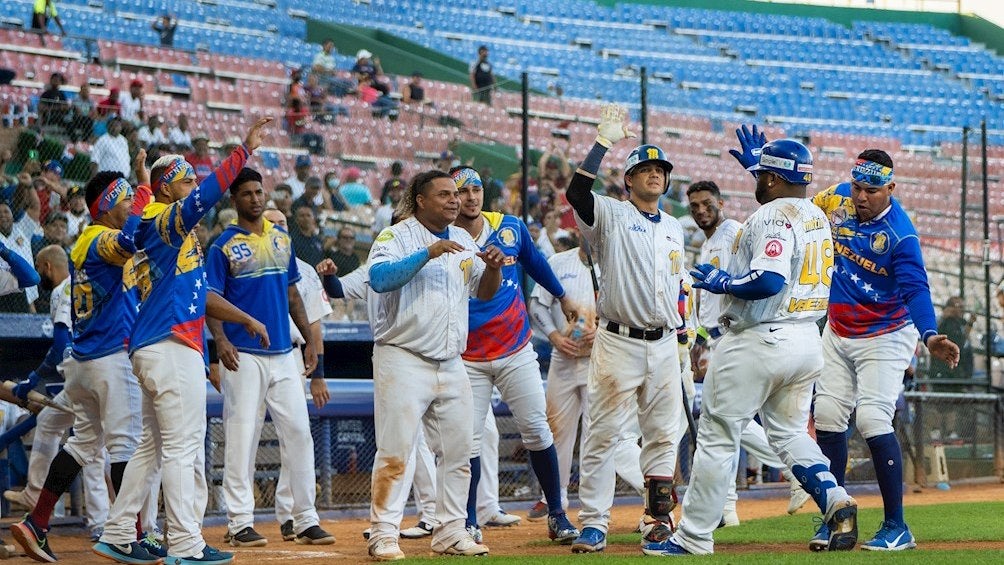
(139, 528)
(43, 509)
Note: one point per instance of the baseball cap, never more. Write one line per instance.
(363, 54)
(135, 82)
(75, 191)
(54, 166)
(302, 161)
(201, 135)
(54, 216)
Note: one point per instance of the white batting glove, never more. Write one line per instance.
(612, 127)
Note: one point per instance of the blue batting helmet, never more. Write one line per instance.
(786, 158)
(645, 153)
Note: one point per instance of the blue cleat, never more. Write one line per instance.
(663, 548)
(151, 543)
(208, 556)
(130, 553)
(821, 540)
(559, 529)
(891, 537)
(591, 540)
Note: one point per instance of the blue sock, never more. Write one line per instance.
(545, 466)
(472, 493)
(834, 447)
(888, 461)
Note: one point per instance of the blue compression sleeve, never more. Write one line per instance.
(60, 341)
(333, 286)
(20, 268)
(756, 285)
(392, 275)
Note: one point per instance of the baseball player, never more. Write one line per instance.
(706, 206)
(781, 262)
(99, 381)
(567, 398)
(879, 301)
(316, 305)
(252, 265)
(167, 351)
(422, 272)
(16, 273)
(499, 352)
(634, 357)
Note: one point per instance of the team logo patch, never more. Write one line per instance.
(385, 235)
(507, 237)
(880, 242)
(773, 248)
(838, 216)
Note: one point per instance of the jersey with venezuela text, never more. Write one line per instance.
(879, 281)
(500, 326)
(104, 305)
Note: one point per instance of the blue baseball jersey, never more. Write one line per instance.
(168, 266)
(254, 272)
(499, 327)
(879, 281)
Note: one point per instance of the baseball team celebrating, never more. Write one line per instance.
(631, 327)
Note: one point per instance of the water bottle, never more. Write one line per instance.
(579, 328)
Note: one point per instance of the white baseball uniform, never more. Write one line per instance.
(419, 332)
(785, 236)
(635, 357)
(567, 398)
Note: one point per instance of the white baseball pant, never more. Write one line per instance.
(272, 382)
(779, 386)
(754, 440)
(173, 379)
(628, 376)
(410, 390)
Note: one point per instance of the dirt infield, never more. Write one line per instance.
(525, 539)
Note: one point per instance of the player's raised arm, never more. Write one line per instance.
(611, 129)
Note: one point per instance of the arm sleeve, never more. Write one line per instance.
(580, 189)
(333, 286)
(536, 264)
(911, 278)
(211, 190)
(540, 317)
(392, 275)
(756, 285)
(20, 268)
(60, 341)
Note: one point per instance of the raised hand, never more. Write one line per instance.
(139, 165)
(493, 257)
(256, 135)
(612, 127)
(711, 279)
(444, 246)
(750, 142)
(326, 267)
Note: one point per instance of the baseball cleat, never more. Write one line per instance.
(843, 525)
(538, 512)
(591, 540)
(502, 519)
(385, 549)
(32, 540)
(797, 498)
(559, 529)
(152, 544)
(664, 547)
(468, 547)
(475, 533)
(891, 537)
(286, 529)
(729, 519)
(208, 556)
(366, 533)
(314, 535)
(821, 540)
(130, 553)
(419, 530)
(248, 537)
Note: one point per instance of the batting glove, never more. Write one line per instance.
(751, 142)
(24, 387)
(612, 128)
(711, 279)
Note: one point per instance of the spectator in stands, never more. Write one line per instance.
(295, 88)
(367, 67)
(165, 25)
(492, 190)
(111, 106)
(957, 327)
(384, 215)
(200, 158)
(395, 181)
(52, 104)
(482, 77)
(20, 244)
(320, 107)
(414, 92)
(301, 170)
(152, 133)
(334, 199)
(180, 136)
(312, 196)
(323, 66)
(132, 103)
(30, 224)
(83, 111)
(282, 199)
(8, 183)
(111, 151)
(343, 251)
(50, 187)
(297, 120)
(381, 105)
(223, 219)
(77, 215)
(43, 11)
(306, 236)
(446, 161)
(53, 232)
(354, 192)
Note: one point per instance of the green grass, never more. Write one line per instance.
(936, 523)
